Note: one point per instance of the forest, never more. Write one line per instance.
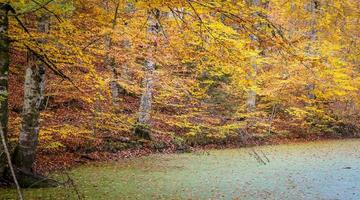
(102, 81)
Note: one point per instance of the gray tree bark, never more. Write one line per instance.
(110, 61)
(4, 70)
(146, 97)
(251, 94)
(142, 128)
(43, 27)
(25, 153)
(125, 44)
(115, 88)
(313, 8)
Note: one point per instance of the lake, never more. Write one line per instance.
(313, 170)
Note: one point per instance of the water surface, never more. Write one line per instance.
(315, 170)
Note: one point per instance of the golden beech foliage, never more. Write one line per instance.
(204, 57)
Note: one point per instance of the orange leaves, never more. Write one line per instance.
(208, 54)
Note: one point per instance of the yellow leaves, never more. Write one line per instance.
(49, 135)
(222, 32)
(160, 3)
(297, 112)
(204, 66)
(194, 130)
(229, 129)
(68, 130)
(198, 91)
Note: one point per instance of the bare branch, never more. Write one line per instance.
(18, 188)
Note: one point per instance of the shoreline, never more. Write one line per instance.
(75, 160)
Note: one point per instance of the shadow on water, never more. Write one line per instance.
(315, 170)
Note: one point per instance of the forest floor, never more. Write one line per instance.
(327, 169)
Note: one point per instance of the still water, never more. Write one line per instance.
(314, 170)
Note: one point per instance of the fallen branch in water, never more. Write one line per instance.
(73, 185)
(255, 154)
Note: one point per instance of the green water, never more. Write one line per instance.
(316, 170)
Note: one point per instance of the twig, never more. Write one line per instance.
(73, 185)
(265, 156)
(91, 43)
(39, 181)
(43, 57)
(47, 101)
(272, 118)
(44, 7)
(18, 188)
(35, 9)
(257, 156)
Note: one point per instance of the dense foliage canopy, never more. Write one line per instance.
(186, 72)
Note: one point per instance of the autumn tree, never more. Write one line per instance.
(180, 72)
(33, 101)
(4, 72)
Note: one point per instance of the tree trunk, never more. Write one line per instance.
(146, 98)
(251, 93)
(43, 27)
(115, 88)
(142, 127)
(4, 70)
(313, 7)
(251, 100)
(125, 44)
(25, 153)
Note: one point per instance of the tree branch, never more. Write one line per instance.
(18, 188)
